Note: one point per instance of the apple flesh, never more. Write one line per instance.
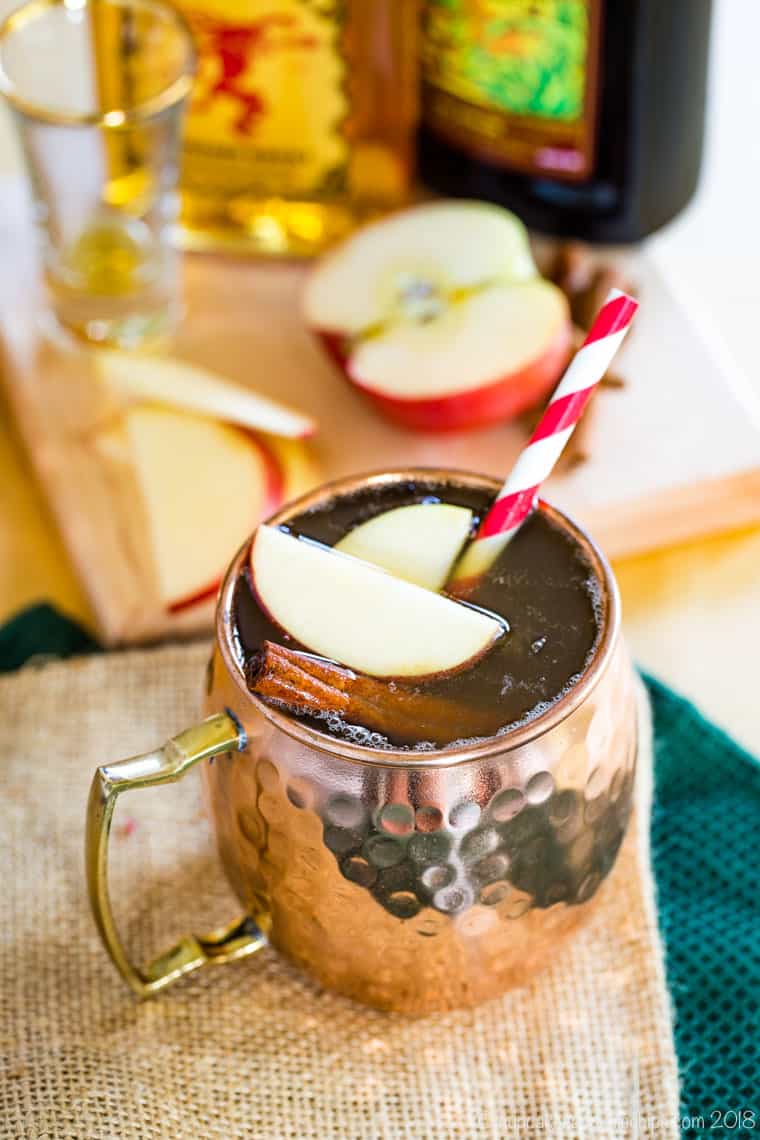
(190, 388)
(438, 315)
(294, 466)
(470, 379)
(418, 543)
(359, 615)
(204, 485)
(450, 247)
(476, 560)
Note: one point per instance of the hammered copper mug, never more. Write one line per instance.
(411, 881)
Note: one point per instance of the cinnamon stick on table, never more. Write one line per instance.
(305, 684)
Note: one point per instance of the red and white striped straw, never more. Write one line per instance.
(517, 498)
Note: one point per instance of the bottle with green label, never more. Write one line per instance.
(584, 116)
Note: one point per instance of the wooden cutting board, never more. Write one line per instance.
(672, 455)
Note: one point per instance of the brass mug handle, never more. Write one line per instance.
(220, 733)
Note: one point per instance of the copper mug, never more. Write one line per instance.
(410, 881)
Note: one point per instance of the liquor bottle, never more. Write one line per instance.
(584, 116)
(301, 121)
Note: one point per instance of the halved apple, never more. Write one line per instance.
(190, 388)
(355, 613)
(205, 485)
(418, 542)
(439, 316)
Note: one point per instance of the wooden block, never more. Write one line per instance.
(672, 455)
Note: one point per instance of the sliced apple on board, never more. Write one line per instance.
(419, 542)
(299, 469)
(350, 611)
(205, 485)
(438, 315)
(190, 388)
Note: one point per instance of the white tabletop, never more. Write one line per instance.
(692, 613)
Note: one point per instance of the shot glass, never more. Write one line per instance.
(97, 89)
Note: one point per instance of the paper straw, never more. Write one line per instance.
(517, 498)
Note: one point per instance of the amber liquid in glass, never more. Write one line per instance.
(541, 585)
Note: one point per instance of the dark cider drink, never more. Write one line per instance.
(541, 585)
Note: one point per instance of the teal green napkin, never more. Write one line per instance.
(41, 631)
(705, 832)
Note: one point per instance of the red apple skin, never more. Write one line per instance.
(492, 403)
(273, 498)
(204, 595)
(334, 344)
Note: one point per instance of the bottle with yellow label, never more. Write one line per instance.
(301, 120)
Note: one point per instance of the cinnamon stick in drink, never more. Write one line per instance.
(302, 683)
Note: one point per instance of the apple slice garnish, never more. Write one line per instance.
(205, 486)
(439, 316)
(419, 542)
(190, 388)
(359, 615)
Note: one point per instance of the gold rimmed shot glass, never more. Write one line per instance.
(97, 89)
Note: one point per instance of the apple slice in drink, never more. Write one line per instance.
(204, 486)
(361, 616)
(438, 315)
(190, 388)
(419, 542)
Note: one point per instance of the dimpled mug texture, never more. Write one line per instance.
(435, 883)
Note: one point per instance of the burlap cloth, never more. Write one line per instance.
(255, 1049)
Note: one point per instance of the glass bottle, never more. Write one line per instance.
(301, 122)
(584, 116)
